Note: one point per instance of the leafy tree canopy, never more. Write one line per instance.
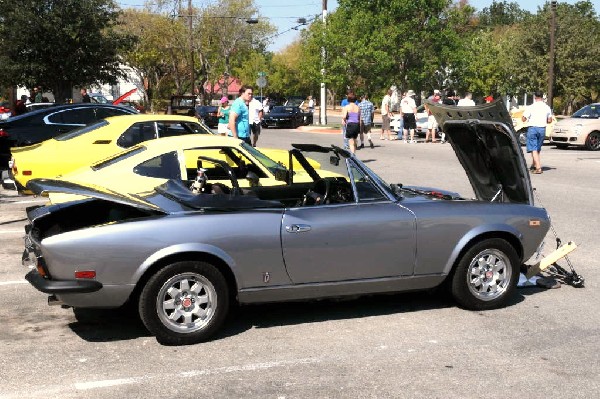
(58, 44)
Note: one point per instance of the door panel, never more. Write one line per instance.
(348, 242)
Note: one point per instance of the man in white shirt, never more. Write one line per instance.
(539, 115)
(256, 116)
(467, 101)
(408, 108)
(386, 114)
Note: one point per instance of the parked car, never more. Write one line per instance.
(208, 114)
(37, 126)
(183, 258)
(521, 127)
(284, 116)
(96, 141)
(35, 106)
(5, 111)
(581, 129)
(421, 130)
(144, 166)
(183, 105)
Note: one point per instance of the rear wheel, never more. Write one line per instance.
(486, 276)
(184, 303)
(592, 142)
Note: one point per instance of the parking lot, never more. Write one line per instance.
(545, 344)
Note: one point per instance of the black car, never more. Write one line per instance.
(283, 116)
(208, 113)
(37, 126)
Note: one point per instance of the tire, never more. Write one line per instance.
(592, 142)
(477, 284)
(522, 136)
(197, 285)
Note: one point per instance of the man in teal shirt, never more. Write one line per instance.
(239, 117)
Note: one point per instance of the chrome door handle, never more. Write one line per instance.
(297, 228)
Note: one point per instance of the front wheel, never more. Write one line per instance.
(184, 303)
(592, 142)
(523, 136)
(486, 276)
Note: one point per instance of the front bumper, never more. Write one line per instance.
(567, 136)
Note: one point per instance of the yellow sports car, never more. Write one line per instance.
(142, 167)
(96, 141)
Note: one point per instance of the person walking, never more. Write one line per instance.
(351, 121)
(223, 114)
(408, 108)
(538, 115)
(256, 116)
(386, 114)
(239, 116)
(366, 119)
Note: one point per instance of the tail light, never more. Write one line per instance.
(3, 133)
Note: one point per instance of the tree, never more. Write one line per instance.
(58, 44)
(502, 13)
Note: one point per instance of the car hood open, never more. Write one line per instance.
(487, 147)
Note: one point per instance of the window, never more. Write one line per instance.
(365, 189)
(165, 166)
(137, 133)
(76, 116)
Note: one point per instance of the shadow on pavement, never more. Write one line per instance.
(99, 325)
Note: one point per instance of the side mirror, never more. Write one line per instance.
(333, 160)
(253, 179)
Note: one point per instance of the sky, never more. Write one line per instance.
(285, 13)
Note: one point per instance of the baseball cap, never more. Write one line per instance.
(224, 100)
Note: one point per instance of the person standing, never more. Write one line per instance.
(239, 117)
(467, 101)
(386, 114)
(37, 98)
(408, 108)
(256, 117)
(538, 115)
(366, 119)
(351, 120)
(223, 114)
(432, 124)
(85, 97)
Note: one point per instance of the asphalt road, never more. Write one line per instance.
(544, 345)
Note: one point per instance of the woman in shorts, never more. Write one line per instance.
(351, 119)
(223, 114)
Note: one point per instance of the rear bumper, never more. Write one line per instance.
(61, 286)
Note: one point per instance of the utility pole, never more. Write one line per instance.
(323, 110)
(550, 96)
(191, 25)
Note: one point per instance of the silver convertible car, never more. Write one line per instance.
(184, 257)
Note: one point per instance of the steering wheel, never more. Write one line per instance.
(318, 194)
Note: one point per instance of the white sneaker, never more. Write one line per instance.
(413, 141)
(404, 141)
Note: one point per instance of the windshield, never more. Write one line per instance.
(262, 158)
(591, 111)
(282, 110)
(82, 130)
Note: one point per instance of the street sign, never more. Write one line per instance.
(261, 82)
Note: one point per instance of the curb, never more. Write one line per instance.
(318, 129)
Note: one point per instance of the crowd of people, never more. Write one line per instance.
(357, 120)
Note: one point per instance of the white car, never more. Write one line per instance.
(581, 129)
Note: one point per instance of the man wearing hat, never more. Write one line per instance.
(538, 115)
(223, 114)
(408, 108)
